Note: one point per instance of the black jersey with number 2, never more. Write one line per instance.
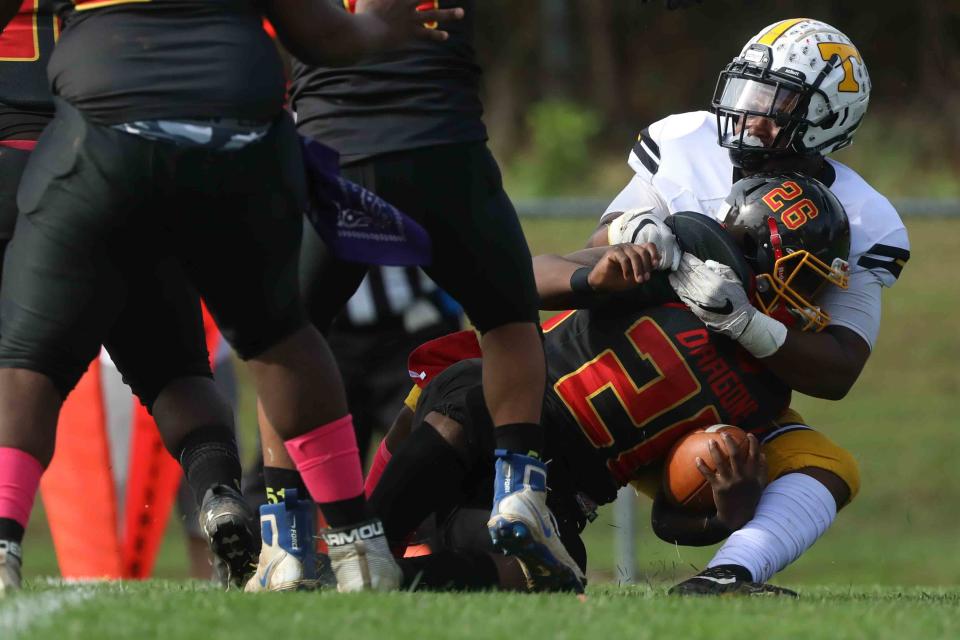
(622, 387)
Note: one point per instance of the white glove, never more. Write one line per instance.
(716, 296)
(637, 226)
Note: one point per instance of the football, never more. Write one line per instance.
(682, 482)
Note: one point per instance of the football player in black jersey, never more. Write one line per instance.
(203, 442)
(166, 143)
(408, 127)
(627, 377)
(25, 109)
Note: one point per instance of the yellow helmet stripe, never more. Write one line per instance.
(778, 30)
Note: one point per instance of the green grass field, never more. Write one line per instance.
(163, 609)
(889, 567)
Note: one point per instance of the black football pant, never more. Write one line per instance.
(427, 476)
(480, 255)
(117, 235)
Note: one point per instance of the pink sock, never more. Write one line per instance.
(328, 461)
(19, 479)
(380, 461)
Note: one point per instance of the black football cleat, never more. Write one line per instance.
(226, 521)
(727, 580)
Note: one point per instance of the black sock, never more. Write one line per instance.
(277, 480)
(525, 438)
(11, 530)
(209, 457)
(345, 513)
(450, 570)
(425, 475)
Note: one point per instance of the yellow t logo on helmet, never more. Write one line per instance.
(846, 52)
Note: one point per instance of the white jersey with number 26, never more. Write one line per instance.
(680, 166)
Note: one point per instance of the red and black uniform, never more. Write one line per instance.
(624, 387)
(26, 43)
(26, 106)
(169, 169)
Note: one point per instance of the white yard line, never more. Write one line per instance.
(19, 613)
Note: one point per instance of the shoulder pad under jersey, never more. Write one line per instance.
(680, 156)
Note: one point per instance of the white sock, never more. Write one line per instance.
(794, 511)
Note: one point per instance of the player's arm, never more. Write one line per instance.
(677, 525)
(317, 32)
(823, 365)
(827, 364)
(601, 235)
(585, 277)
(638, 195)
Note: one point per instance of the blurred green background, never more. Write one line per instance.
(569, 83)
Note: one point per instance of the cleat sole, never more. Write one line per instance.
(515, 539)
(233, 547)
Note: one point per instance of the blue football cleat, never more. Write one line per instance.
(288, 557)
(522, 525)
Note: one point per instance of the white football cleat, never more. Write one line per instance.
(10, 555)
(288, 558)
(361, 558)
(522, 525)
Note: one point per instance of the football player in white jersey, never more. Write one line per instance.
(797, 91)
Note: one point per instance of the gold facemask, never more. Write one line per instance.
(802, 270)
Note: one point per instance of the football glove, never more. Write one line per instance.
(716, 296)
(638, 226)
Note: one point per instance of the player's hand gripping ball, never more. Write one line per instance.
(683, 483)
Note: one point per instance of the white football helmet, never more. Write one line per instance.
(804, 81)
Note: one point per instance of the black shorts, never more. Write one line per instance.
(480, 255)
(113, 225)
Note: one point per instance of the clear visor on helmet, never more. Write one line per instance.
(759, 98)
(748, 112)
(795, 283)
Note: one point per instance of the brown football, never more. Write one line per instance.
(682, 482)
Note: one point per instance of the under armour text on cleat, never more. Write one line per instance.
(361, 558)
(727, 579)
(226, 521)
(288, 556)
(10, 562)
(522, 525)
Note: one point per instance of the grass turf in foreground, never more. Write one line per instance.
(178, 610)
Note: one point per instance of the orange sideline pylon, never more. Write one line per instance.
(80, 496)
